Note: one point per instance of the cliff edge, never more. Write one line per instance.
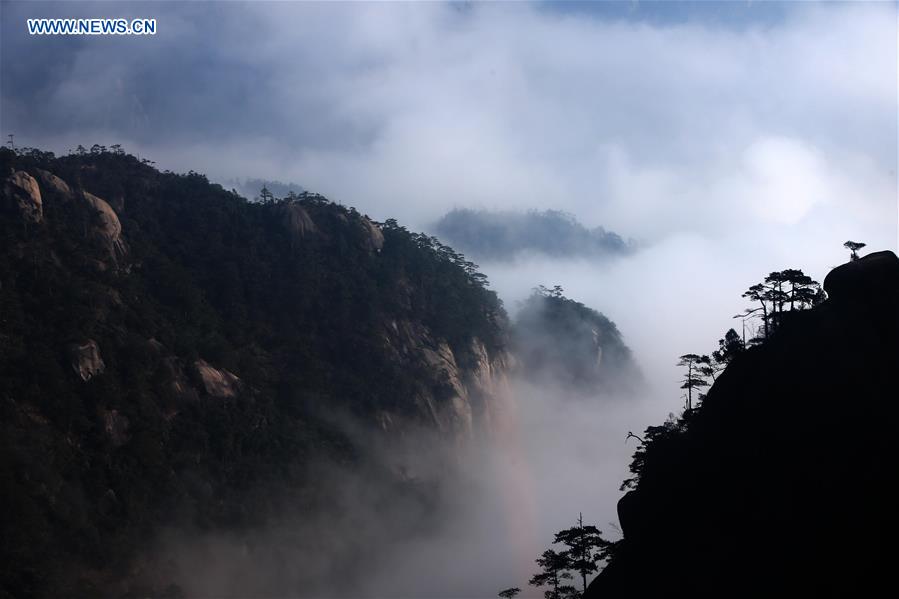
(785, 480)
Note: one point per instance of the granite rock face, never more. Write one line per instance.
(54, 185)
(22, 194)
(107, 228)
(297, 220)
(217, 382)
(374, 238)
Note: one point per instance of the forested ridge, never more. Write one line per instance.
(174, 353)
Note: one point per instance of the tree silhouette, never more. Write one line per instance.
(804, 292)
(695, 378)
(758, 293)
(728, 348)
(774, 289)
(556, 292)
(708, 368)
(265, 195)
(786, 288)
(509, 593)
(854, 247)
(553, 566)
(586, 548)
(653, 438)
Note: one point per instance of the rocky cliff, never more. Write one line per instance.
(785, 480)
(172, 355)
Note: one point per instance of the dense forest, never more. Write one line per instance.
(174, 353)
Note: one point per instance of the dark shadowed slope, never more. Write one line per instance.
(786, 478)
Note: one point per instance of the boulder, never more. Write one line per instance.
(86, 360)
(22, 194)
(108, 228)
(216, 382)
(54, 185)
(297, 220)
(374, 238)
(870, 278)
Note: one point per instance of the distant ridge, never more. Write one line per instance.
(504, 235)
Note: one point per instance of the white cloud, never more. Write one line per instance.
(406, 110)
(732, 151)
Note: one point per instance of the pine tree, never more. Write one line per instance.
(553, 572)
(586, 548)
(854, 247)
(694, 378)
(728, 348)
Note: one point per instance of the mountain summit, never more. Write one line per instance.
(785, 479)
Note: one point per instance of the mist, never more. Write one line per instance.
(473, 524)
(732, 142)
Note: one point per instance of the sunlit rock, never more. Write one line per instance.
(108, 228)
(374, 240)
(21, 193)
(216, 382)
(297, 220)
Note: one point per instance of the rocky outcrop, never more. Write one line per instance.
(22, 194)
(297, 221)
(490, 385)
(374, 237)
(107, 228)
(217, 382)
(460, 401)
(871, 278)
(54, 185)
(86, 360)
